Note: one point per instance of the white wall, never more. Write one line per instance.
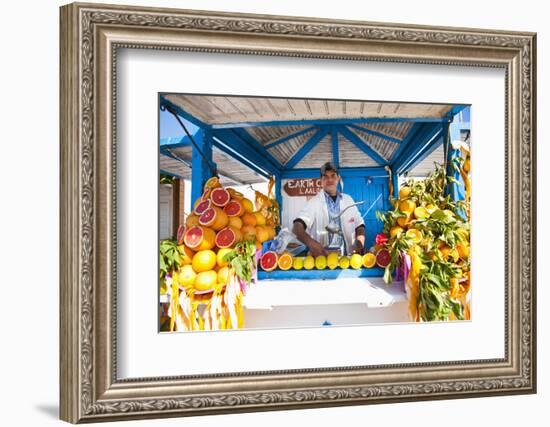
(29, 234)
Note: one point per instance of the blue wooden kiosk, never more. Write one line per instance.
(372, 143)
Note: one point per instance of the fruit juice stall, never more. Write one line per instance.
(235, 262)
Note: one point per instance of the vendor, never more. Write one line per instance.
(310, 227)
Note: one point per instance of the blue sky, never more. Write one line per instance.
(170, 128)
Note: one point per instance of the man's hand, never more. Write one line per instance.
(316, 248)
(357, 247)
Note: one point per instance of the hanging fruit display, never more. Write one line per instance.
(426, 243)
(209, 267)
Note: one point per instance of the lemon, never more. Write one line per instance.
(298, 263)
(421, 212)
(219, 257)
(332, 260)
(415, 235)
(395, 231)
(321, 262)
(223, 275)
(344, 262)
(309, 262)
(204, 261)
(186, 275)
(356, 261)
(206, 280)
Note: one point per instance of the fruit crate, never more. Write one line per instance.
(315, 274)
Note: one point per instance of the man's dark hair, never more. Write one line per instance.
(328, 166)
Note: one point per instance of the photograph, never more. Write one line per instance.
(287, 212)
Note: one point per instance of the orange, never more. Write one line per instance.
(415, 235)
(204, 261)
(213, 182)
(248, 232)
(262, 234)
(191, 220)
(403, 221)
(260, 219)
(395, 231)
(369, 260)
(236, 222)
(248, 205)
(249, 219)
(404, 192)
(463, 250)
(407, 206)
(186, 254)
(285, 261)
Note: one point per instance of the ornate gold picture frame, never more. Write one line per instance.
(90, 36)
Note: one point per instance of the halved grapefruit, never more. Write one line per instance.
(180, 233)
(268, 261)
(220, 197)
(383, 258)
(214, 217)
(234, 208)
(228, 237)
(199, 238)
(201, 206)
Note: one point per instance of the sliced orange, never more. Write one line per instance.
(414, 234)
(369, 260)
(285, 261)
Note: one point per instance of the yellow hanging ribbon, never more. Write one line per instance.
(414, 282)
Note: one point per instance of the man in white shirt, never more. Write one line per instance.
(325, 208)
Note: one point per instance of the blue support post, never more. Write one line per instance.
(200, 170)
(335, 148)
(279, 195)
(395, 183)
(452, 133)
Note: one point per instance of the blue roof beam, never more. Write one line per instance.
(307, 147)
(423, 144)
(289, 137)
(359, 143)
(378, 134)
(374, 172)
(335, 147)
(319, 122)
(249, 139)
(164, 103)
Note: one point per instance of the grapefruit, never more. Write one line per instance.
(214, 217)
(180, 234)
(369, 260)
(204, 261)
(205, 280)
(201, 206)
(220, 197)
(285, 261)
(234, 208)
(199, 238)
(235, 221)
(220, 255)
(383, 258)
(268, 261)
(228, 237)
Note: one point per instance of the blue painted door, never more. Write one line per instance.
(375, 192)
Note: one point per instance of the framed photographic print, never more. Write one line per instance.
(268, 212)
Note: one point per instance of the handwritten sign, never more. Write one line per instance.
(302, 187)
